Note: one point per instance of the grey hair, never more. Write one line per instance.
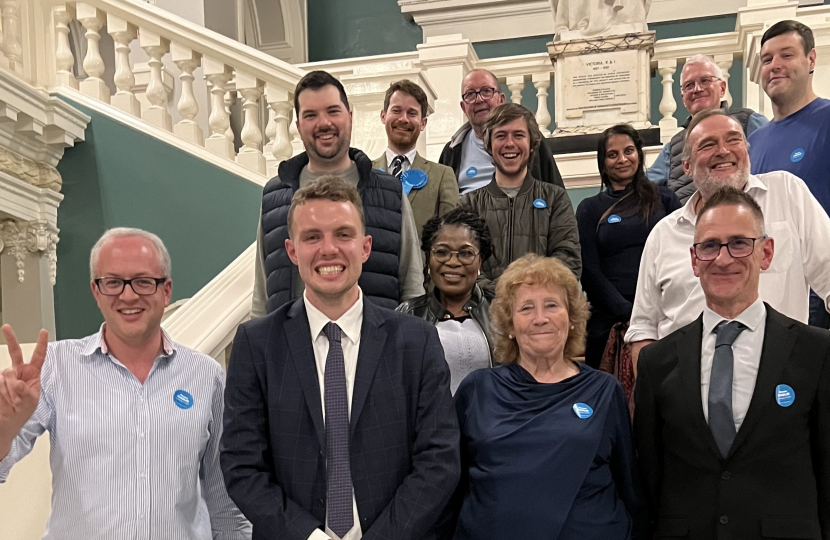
(127, 232)
(703, 59)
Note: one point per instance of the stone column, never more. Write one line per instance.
(28, 269)
(446, 60)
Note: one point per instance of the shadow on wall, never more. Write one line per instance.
(120, 177)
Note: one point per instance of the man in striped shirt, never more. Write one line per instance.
(134, 418)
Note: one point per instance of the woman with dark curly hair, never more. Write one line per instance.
(546, 450)
(455, 245)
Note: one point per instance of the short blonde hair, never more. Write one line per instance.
(328, 188)
(547, 272)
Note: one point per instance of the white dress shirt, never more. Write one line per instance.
(129, 460)
(350, 324)
(746, 352)
(668, 294)
(391, 154)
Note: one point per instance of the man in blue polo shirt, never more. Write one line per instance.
(798, 138)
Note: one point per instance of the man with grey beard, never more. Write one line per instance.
(669, 296)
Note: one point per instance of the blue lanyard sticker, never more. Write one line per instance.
(413, 179)
(784, 395)
(614, 218)
(540, 203)
(182, 399)
(583, 410)
(471, 172)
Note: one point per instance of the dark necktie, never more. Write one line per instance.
(339, 476)
(721, 420)
(397, 166)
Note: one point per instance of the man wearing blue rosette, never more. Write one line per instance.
(431, 187)
(524, 214)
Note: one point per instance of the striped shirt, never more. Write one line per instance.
(132, 461)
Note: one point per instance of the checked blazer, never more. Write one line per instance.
(404, 436)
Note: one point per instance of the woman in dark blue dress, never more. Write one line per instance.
(545, 441)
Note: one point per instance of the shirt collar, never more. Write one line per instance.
(98, 343)
(350, 322)
(688, 211)
(751, 317)
(391, 154)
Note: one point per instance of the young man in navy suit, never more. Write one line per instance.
(339, 421)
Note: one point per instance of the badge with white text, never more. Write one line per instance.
(413, 179)
(583, 410)
(797, 155)
(471, 172)
(614, 218)
(182, 399)
(784, 395)
(540, 203)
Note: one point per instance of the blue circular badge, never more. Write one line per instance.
(416, 178)
(540, 203)
(182, 399)
(472, 171)
(784, 395)
(614, 218)
(797, 155)
(583, 410)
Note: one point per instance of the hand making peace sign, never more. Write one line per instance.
(20, 384)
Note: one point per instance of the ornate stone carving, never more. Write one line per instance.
(578, 19)
(17, 238)
(31, 172)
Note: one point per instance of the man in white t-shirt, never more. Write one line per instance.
(669, 296)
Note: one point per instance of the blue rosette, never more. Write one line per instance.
(413, 179)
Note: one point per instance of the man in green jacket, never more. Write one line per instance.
(524, 215)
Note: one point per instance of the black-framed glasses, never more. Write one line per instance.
(486, 93)
(465, 256)
(738, 248)
(142, 286)
(704, 82)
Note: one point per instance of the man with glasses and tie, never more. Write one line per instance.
(431, 188)
(702, 87)
(732, 412)
(465, 153)
(339, 423)
(134, 419)
(668, 295)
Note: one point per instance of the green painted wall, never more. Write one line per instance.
(122, 177)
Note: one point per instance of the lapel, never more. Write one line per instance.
(298, 337)
(688, 355)
(421, 164)
(372, 341)
(380, 162)
(779, 340)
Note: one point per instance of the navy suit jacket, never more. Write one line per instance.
(404, 438)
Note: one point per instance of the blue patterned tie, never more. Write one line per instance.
(339, 477)
(721, 420)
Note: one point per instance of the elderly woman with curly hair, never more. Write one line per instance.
(545, 441)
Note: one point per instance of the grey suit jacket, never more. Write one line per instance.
(437, 197)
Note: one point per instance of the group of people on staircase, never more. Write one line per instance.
(414, 365)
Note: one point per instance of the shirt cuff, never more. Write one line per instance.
(6, 465)
(640, 333)
(318, 535)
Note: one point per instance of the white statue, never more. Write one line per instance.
(588, 18)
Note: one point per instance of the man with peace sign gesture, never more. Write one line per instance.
(134, 419)
(19, 388)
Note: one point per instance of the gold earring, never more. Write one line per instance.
(509, 336)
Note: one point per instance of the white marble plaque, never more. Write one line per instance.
(599, 82)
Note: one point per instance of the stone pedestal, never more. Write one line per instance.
(601, 82)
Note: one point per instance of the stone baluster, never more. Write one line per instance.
(541, 81)
(516, 85)
(93, 86)
(724, 62)
(280, 103)
(187, 60)
(64, 60)
(250, 156)
(668, 124)
(230, 96)
(218, 75)
(123, 33)
(270, 136)
(10, 45)
(156, 47)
